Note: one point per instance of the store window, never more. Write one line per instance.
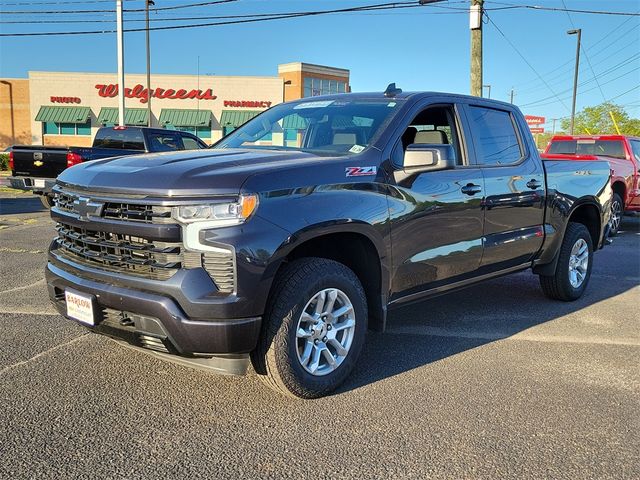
(319, 86)
(55, 128)
(202, 132)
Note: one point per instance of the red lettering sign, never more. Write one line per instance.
(247, 103)
(141, 93)
(536, 129)
(65, 100)
(534, 120)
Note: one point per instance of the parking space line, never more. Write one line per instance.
(15, 289)
(41, 354)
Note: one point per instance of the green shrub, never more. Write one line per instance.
(4, 161)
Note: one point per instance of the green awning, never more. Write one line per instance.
(295, 122)
(235, 118)
(132, 116)
(63, 114)
(185, 118)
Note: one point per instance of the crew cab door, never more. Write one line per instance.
(514, 186)
(436, 214)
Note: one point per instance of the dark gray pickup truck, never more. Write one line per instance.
(35, 168)
(303, 228)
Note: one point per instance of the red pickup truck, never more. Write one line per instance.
(623, 154)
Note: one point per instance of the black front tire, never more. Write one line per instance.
(276, 358)
(558, 286)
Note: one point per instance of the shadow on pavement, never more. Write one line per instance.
(450, 324)
(11, 206)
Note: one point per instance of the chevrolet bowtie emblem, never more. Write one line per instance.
(85, 208)
(38, 163)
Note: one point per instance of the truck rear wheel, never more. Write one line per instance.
(313, 330)
(574, 265)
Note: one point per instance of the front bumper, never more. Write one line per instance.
(37, 185)
(156, 322)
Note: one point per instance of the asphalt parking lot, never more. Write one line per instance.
(491, 382)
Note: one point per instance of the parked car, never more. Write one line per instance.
(35, 168)
(623, 154)
(303, 228)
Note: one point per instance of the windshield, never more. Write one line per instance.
(588, 146)
(332, 127)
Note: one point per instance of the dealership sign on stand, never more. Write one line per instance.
(534, 121)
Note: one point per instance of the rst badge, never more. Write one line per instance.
(361, 171)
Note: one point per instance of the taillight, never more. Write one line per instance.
(73, 159)
(11, 167)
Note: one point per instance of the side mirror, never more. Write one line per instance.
(423, 157)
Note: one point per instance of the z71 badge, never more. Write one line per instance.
(361, 171)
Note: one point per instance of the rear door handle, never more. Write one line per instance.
(471, 189)
(534, 184)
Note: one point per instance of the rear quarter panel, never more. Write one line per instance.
(571, 184)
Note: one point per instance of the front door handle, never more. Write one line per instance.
(534, 184)
(471, 189)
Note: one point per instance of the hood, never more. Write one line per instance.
(183, 173)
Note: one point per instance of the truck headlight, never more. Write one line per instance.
(231, 213)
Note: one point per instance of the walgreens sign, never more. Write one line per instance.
(142, 94)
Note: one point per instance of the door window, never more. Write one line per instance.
(434, 125)
(495, 137)
(164, 142)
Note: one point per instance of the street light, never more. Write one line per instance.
(488, 87)
(575, 76)
(148, 2)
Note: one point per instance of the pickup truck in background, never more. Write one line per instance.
(303, 228)
(35, 168)
(622, 153)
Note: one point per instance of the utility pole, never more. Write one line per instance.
(511, 97)
(120, 38)
(475, 24)
(575, 76)
(553, 129)
(148, 2)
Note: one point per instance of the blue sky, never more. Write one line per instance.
(425, 48)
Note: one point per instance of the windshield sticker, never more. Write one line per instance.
(356, 149)
(361, 171)
(322, 104)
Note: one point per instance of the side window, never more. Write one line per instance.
(635, 148)
(125, 138)
(434, 125)
(190, 143)
(164, 142)
(495, 136)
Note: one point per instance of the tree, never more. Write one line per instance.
(597, 121)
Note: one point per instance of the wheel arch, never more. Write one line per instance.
(357, 245)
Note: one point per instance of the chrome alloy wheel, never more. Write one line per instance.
(616, 215)
(578, 263)
(325, 331)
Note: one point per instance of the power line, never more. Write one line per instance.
(584, 51)
(383, 6)
(525, 60)
(511, 6)
(53, 12)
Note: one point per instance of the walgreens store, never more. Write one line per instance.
(65, 108)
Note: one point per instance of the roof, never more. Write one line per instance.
(185, 118)
(132, 116)
(51, 113)
(235, 118)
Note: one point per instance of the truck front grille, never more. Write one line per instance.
(129, 212)
(121, 253)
